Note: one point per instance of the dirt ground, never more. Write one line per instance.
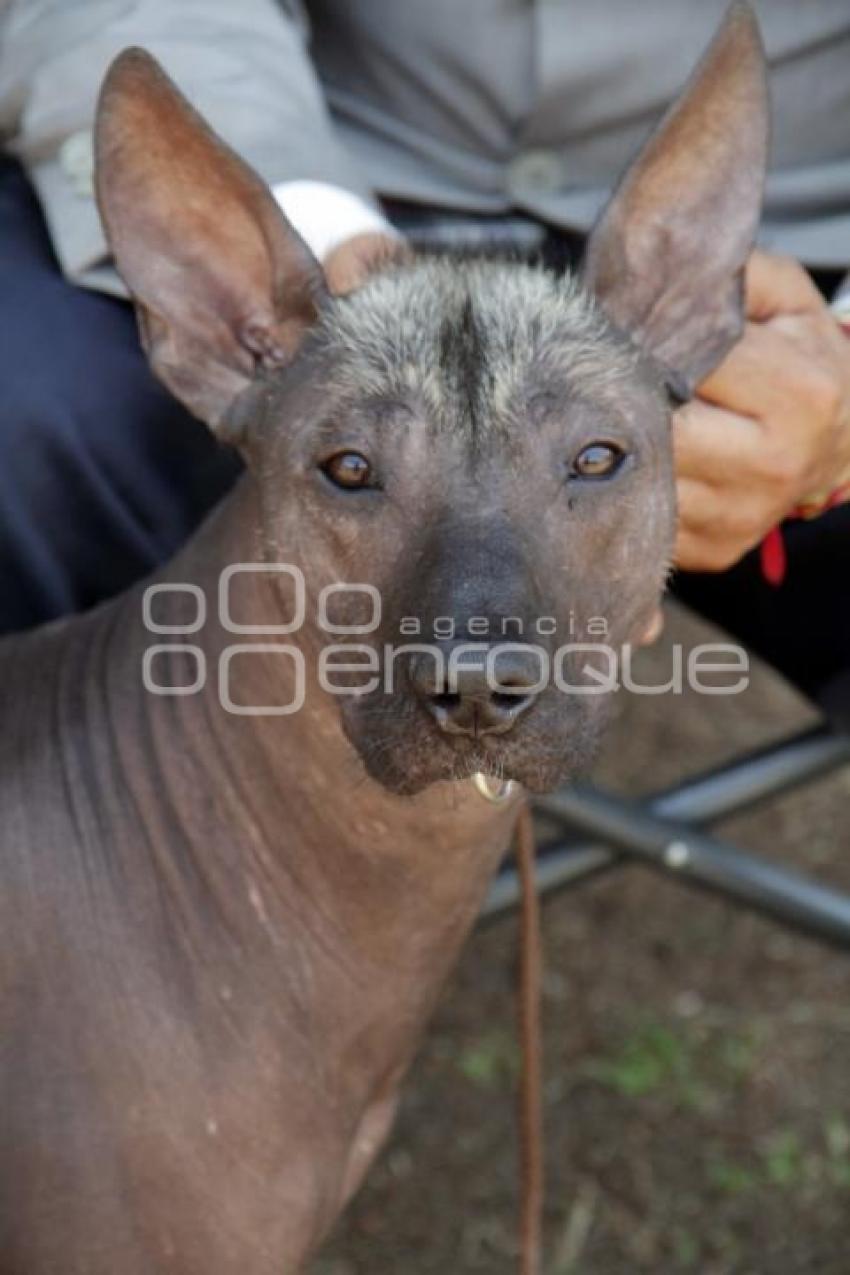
(697, 1058)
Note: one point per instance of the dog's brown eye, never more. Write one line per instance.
(599, 460)
(348, 469)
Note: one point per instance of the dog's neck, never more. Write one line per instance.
(268, 823)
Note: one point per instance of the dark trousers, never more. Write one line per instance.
(103, 474)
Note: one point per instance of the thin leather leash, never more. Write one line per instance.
(530, 1097)
(530, 1035)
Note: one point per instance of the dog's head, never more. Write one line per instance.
(485, 447)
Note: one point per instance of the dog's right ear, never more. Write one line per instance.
(223, 285)
(666, 259)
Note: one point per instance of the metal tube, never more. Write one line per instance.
(755, 777)
(746, 781)
(726, 790)
(705, 862)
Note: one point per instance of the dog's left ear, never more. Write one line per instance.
(223, 285)
(666, 259)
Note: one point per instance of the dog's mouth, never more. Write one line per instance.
(406, 753)
(492, 782)
(407, 764)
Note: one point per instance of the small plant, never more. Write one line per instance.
(730, 1177)
(492, 1061)
(837, 1139)
(782, 1159)
(652, 1060)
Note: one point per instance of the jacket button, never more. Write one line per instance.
(535, 170)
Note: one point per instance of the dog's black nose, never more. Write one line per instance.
(468, 696)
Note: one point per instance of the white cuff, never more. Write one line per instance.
(325, 215)
(840, 306)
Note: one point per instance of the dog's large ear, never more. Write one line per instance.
(666, 259)
(222, 283)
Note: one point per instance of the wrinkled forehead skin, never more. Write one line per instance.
(471, 341)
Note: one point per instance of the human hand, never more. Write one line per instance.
(770, 427)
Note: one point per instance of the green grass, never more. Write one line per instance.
(686, 1066)
(492, 1061)
(784, 1162)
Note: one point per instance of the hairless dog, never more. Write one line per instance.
(227, 913)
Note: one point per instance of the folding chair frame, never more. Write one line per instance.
(664, 831)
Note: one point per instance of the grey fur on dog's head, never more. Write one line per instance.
(472, 335)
